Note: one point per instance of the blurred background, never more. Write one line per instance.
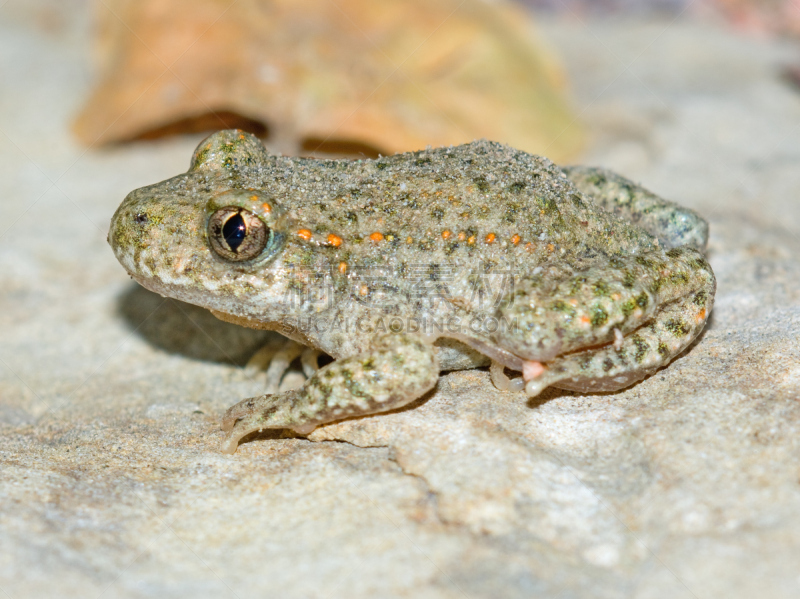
(111, 484)
(348, 77)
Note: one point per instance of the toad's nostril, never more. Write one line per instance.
(140, 218)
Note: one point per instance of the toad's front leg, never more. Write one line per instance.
(397, 369)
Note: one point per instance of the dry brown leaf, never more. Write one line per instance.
(394, 75)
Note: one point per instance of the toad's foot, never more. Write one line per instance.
(396, 370)
(502, 382)
(276, 357)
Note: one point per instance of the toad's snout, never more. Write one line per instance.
(143, 235)
(126, 232)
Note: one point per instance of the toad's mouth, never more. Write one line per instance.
(172, 290)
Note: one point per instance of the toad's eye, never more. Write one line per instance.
(237, 234)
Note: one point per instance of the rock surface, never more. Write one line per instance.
(685, 485)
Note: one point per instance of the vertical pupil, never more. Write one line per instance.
(234, 231)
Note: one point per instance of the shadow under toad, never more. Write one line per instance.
(187, 330)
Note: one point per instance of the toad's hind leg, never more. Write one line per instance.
(397, 369)
(672, 224)
(638, 354)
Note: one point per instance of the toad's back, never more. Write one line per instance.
(479, 203)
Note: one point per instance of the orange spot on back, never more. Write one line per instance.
(334, 240)
(551, 248)
(376, 236)
(530, 246)
(515, 239)
(471, 240)
(305, 234)
(490, 238)
(462, 236)
(446, 234)
(342, 267)
(409, 240)
(701, 315)
(266, 207)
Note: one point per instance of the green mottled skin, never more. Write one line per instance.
(479, 233)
